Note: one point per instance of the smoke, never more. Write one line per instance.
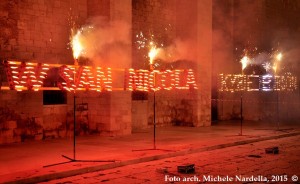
(223, 46)
(180, 49)
(287, 40)
(175, 35)
(260, 59)
(250, 28)
(291, 61)
(106, 43)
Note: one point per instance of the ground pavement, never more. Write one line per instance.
(23, 162)
(228, 165)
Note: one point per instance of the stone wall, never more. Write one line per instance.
(260, 106)
(55, 121)
(9, 28)
(35, 30)
(169, 21)
(173, 108)
(140, 111)
(21, 116)
(204, 60)
(152, 20)
(110, 112)
(98, 8)
(107, 113)
(39, 29)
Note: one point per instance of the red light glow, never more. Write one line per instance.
(30, 76)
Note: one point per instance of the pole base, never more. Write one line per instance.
(155, 149)
(74, 160)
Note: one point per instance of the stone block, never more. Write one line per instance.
(38, 137)
(126, 131)
(62, 133)
(6, 133)
(10, 125)
(39, 120)
(17, 139)
(57, 4)
(107, 133)
(128, 117)
(18, 131)
(115, 124)
(3, 13)
(92, 125)
(42, 8)
(7, 140)
(50, 134)
(21, 25)
(167, 119)
(102, 127)
(35, 7)
(84, 113)
(70, 134)
(103, 112)
(93, 111)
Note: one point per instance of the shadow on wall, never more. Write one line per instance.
(18, 128)
(173, 112)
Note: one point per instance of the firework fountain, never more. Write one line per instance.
(276, 67)
(267, 81)
(78, 49)
(244, 61)
(152, 54)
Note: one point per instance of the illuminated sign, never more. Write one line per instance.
(85, 77)
(144, 80)
(30, 76)
(238, 82)
(27, 75)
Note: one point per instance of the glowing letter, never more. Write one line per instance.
(21, 75)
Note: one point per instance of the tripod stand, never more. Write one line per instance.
(241, 132)
(70, 160)
(241, 110)
(154, 130)
(278, 115)
(154, 121)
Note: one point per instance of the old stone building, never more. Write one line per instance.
(39, 31)
(208, 36)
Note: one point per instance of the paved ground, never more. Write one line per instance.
(246, 161)
(23, 162)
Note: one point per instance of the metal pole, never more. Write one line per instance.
(74, 129)
(154, 122)
(154, 115)
(241, 114)
(277, 110)
(241, 133)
